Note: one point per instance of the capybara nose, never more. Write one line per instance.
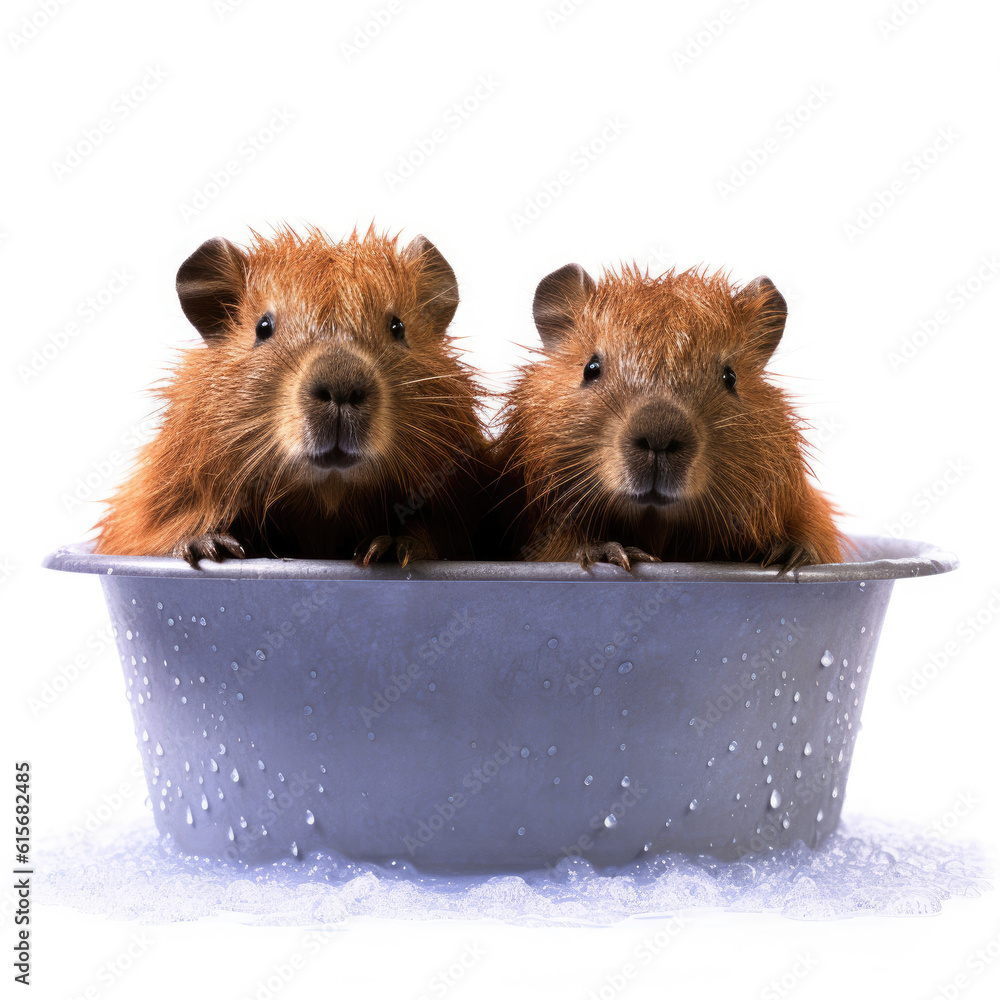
(340, 392)
(662, 444)
(340, 378)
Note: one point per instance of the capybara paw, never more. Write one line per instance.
(611, 552)
(372, 551)
(640, 555)
(212, 545)
(791, 555)
(408, 549)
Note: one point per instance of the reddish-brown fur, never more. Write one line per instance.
(234, 455)
(570, 448)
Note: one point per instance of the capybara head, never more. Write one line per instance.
(334, 353)
(647, 420)
(653, 389)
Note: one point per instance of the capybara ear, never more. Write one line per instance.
(210, 284)
(559, 298)
(765, 311)
(437, 288)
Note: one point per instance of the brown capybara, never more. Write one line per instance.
(324, 416)
(647, 428)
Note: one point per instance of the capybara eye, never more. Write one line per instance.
(592, 369)
(396, 328)
(265, 327)
(729, 378)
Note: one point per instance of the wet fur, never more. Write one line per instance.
(749, 497)
(225, 458)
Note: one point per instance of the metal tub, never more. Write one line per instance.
(467, 716)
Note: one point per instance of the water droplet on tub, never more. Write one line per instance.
(829, 696)
(260, 654)
(611, 820)
(190, 818)
(796, 696)
(170, 621)
(307, 710)
(693, 804)
(826, 660)
(807, 749)
(232, 834)
(764, 761)
(546, 684)
(626, 781)
(775, 800)
(844, 663)
(552, 751)
(777, 692)
(145, 736)
(597, 690)
(234, 774)
(525, 751)
(204, 801)
(609, 648)
(732, 746)
(759, 744)
(552, 643)
(295, 849)
(520, 831)
(819, 816)
(624, 668)
(589, 779)
(310, 819)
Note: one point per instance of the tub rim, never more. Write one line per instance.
(888, 559)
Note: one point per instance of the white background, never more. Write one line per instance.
(549, 84)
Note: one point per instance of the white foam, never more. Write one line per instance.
(865, 868)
